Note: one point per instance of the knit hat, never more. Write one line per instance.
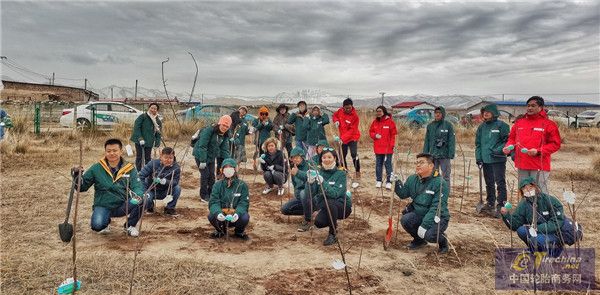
(297, 151)
(225, 120)
(243, 108)
(263, 110)
(526, 181)
(229, 161)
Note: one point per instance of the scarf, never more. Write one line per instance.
(153, 118)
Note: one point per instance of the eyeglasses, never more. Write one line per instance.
(264, 114)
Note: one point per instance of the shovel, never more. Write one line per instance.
(480, 204)
(65, 229)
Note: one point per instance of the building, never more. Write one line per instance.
(412, 104)
(29, 92)
(570, 108)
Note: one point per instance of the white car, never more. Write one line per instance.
(107, 114)
(589, 118)
(561, 118)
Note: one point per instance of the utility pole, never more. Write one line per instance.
(382, 93)
(135, 92)
(52, 78)
(111, 93)
(502, 96)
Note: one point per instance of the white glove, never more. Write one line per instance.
(319, 179)
(311, 175)
(271, 168)
(221, 217)
(142, 142)
(337, 124)
(279, 131)
(393, 177)
(251, 129)
(2, 124)
(421, 232)
(163, 181)
(265, 123)
(262, 161)
(377, 136)
(202, 166)
(235, 217)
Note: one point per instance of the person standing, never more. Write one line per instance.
(298, 120)
(532, 140)
(383, 132)
(440, 141)
(490, 138)
(263, 125)
(146, 134)
(238, 135)
(347, 121)
(283, 129)
(315, 129)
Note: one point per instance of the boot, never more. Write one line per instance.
(416, 244)
(304, 226)
(331, 239)
(443, 247)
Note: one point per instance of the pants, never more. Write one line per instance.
(239, 153)
(161, 194)
(380, 160)
(101, 215)
(543, 243)
(445, 167)
(494, 175)
(542, 181)
(1, 132)
(207, 179)
(274, 177)
(301, 205)
(147, 156)
(411, 222)
(353, 145)
(240, 224)
(337, 212)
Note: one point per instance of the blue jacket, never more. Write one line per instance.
(151, 171)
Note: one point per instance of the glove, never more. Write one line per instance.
(202, 166)
(262, 161)
(265, 123)
(271, 168)
(229, 218)
(311, 175)
(251, 130)
(319, 179)
(142, 142)
(421, 232)
(377, 136)
(221, 217)
(337, 138)
(279, 131)
(76, 171)
(479, 163)
(393, 177)
(234, 217)
(158, 180)
(232, 139)
(337, 124)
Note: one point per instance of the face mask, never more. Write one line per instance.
(529, 194)
(229, 172)
(329, 167)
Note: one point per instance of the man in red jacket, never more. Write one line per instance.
(346, 120)
(533, 139)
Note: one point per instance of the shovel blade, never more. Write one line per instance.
(479, 207)
(65, 230)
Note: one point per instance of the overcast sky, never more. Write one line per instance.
(263, 48)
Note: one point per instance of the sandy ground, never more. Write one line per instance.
(177, 257)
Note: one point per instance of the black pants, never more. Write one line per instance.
(411, 222)
(337, 212)
(353, 153)
(147, 151)
(207, 179)
(495, 178)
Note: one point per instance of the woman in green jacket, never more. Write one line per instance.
(146, 134)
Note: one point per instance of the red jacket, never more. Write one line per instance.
(387, 129)
(534, 132)
(348, 125)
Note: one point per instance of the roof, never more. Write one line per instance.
(409, 104)
(548, 103)
(87, 91)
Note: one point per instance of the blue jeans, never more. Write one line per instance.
(300, 205)
(101, 215)
(1, 132)
(161, 194)
(379, 162)
(543, 243)
(240, 224)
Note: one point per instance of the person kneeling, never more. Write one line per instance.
(544, 235)
(164, 173)
(329, 186)
(117, 189)
(427, 216)
(274, 166)
(303, 203)
(229, 203)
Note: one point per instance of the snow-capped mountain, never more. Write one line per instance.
(311, 96)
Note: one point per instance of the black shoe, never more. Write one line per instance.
(443, 247)
(331, 239)
(170, 212)
(416, 244)
(217, 234)
(203, 200)
(241, 236)
(150, 210)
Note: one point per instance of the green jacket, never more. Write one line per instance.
(315, 128)
(234, 197)
(550, 214)
(440, 139)
(110, 189)
(239, 138)
(334, 185)
(299, 124)
(299, 180)
(211, 145)
(425, 194)
(490, 138)
(143, 128)
(264, 130)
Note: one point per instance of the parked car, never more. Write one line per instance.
(589, 118)
(561, 118)
(420, 117)
(474, 118)
(107, 114)
(209, 113)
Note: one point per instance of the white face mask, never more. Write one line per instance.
(228, 172)
(530, 193)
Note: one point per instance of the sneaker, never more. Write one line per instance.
(304, 226)
(378, 184)
(388, 186)
(203, 200)
(242, 236)
(217, 234)
(105, 231)
(267, 190)
(280, 191)
(132, 231)
(150, 210)
(416, 244)
(443, 247)
(170, 212)
(331, 239)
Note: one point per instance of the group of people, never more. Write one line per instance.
(294, 148)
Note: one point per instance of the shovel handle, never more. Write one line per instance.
(70, 201)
